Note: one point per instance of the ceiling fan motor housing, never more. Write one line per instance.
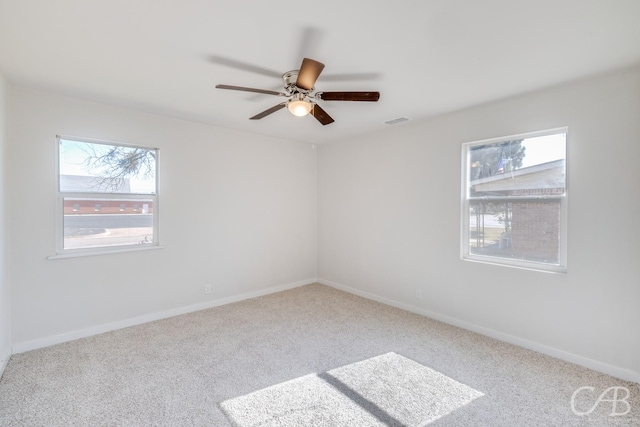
(289, 80)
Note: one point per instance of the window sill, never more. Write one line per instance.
(522, 265)
(105, 251)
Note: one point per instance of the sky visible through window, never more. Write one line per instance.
(543, 149)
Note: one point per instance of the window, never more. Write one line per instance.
(514, 201)
(100, 187)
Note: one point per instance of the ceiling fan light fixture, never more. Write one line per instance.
(299, 107)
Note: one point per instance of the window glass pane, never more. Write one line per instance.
(117, 222)
(522, 167)
(522, 230)
(100, 168)
(514, 194)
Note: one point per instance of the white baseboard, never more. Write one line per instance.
(5, 355)
(624, 374)
(21, 347)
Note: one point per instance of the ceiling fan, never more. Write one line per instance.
(301, 98)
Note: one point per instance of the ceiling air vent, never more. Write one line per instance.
(398, 120)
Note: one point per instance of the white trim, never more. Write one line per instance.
(534, 134)
(100, 251)
(104, 142)
(516, 263)
(21, 347)
(4, 359)
(615, 371)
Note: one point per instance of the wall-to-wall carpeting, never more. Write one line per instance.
(178, 371)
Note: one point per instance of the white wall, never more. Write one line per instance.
(389, 223)
(5, 296)
(237, 211)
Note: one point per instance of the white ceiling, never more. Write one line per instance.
(425, 57)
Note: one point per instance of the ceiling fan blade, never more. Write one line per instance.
(349, 96)
(239, 65)
(250, 89)
(269, 111)
(309, 41)
(351, 77)
(321, 115)
(309, 72)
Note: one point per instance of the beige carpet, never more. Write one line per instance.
(225, 365)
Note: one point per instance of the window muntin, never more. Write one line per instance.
(514, 201)
(107, 196)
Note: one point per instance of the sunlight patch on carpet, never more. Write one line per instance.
(381, 391)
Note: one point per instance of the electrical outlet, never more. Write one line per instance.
(207, 289)
(418, 293)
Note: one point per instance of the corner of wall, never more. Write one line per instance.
(5, 295)
(4, 359)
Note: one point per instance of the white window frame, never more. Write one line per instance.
(465, 251)
(61, 252)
